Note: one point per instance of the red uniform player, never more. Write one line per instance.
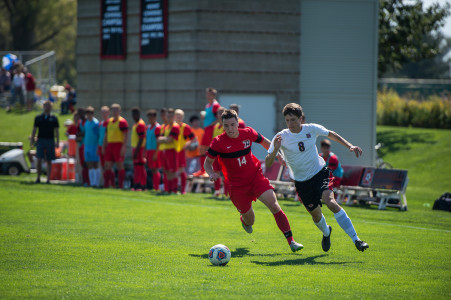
(186, 137)
(244, 174)
(138, 151)
(152, 153)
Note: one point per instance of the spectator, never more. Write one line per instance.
(138, 151)
(236, 108)
(5, 80)
(152, 154)
(193, 150)
(18, 88)
(91, 142)
(70, 101)
(331, 162)
(114, 146)
(47, 126)
(30, 85)
(186, 138)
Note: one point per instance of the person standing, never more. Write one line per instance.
(332, 162)
(81, 146)
(30, 86)
(114, 146)
(105, 112)
(138, 151)
(193, 150)
(243, 170)
(18, 88)
(91, 140)
(313, 181)
(152, 152)
(209, 122)
(186, 137)
(47, 126)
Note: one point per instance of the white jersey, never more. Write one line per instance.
(300, 151)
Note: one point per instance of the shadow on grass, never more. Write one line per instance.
(239, 252)
(303, 261)
(395, 140)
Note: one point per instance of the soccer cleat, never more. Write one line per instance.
(361, 245)
(326, 240)
(296, 246)
(248, 228)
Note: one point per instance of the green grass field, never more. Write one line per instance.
(72, 242)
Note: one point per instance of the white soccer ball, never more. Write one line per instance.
(219, 255)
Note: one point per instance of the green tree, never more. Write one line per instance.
(408, 33)
(42, 25)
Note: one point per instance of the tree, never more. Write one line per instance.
(408, 33)
(41, 25)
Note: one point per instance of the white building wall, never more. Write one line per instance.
(338, 71)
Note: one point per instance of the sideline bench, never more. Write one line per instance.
(279, 177)
(381, 187)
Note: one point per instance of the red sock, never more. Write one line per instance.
(85, 175)
(156, 180)
(175, 185)
(111, 177)
(143, 177)
(136, 175)
(106, 178)
(167, 183)
(218, 184)
(183, 181)
(202, 160)
(284, 225)
(120, 178)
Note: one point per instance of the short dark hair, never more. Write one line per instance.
(136, 109)
(193, 118)
(164, 110)
(171, 110)
(151, 112)
(293, 109)
(228, 114)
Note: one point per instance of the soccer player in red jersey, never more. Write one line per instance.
(152, 152)
(168, 143)
(138, 151)
(105, 111)
(114, 146)
(243, 171)
(164, 119)
(236, 108)
(186, 137)
(210, 120)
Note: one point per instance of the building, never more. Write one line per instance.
(260, 54)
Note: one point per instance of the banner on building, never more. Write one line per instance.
(153, 28)
(113, 29)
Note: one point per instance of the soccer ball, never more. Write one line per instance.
(219, 255)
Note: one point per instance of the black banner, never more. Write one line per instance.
(113, 31)
(153, 29)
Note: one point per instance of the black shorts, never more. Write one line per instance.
(45, 148)
(311, 191)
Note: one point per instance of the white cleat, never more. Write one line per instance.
(296, 246)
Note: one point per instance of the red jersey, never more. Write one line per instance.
(239, 165)
(241, 123)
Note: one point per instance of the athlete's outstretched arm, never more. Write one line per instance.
(269, 160)
(339, 139)
(266, 143)
(208, 165)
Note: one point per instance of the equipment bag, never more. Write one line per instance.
(443, 203)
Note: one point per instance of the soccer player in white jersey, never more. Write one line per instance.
(313, 180)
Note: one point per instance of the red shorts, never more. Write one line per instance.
(242, 196)
(153, 164)
(101, 156)
(113, 152)
(139, 158)
(181, 159)
(170, 160)
(208, 136)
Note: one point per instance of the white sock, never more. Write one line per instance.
(98, 174)
(346, 224)
(91, 177)
(322, 225)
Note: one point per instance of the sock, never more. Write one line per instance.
(136, 176)
(106, 178)
(92, 175)
(166, 183)
(143, 177)
(112, 178)
(284, 225)
(156, 180)
(183, 181)
(202, 160)
(346, 224)
(175, 185)
(98, 172)
(217, 184)
(121, 177)
(242, 221)
(85, 175)
(322, 225)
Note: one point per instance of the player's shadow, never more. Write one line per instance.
(302, 261)
(239, 252)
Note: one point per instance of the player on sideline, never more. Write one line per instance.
(168, 142)
(244, 173)
(186, 137)
(105, 111)
(91, 139)
(236, 107)
(210, 120)
(313, 181)
(138, 151)
(114, 144)
(152, 152)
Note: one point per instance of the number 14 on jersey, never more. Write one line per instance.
(241, 160)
